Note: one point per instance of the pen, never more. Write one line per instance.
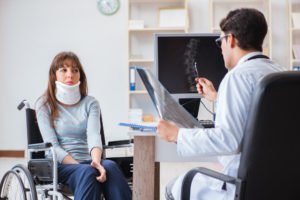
(196, 70)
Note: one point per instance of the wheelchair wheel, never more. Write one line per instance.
(11, 187)
(27, 180)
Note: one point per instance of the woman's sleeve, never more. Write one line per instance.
(48, 132)
(93, 126)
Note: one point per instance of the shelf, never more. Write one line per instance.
(236, 1)
(156, 1)
(294, 7)
(296, 29)
(141, 60)
(157, 29)
(138, 92)
(216, 30)
(296, 60)
(144, 21)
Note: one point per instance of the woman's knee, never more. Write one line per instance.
(87, 186)
(112, 169)
(88, 171)
(82, 176)
(109, 164)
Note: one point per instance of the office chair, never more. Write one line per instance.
(268, 169)
(40, 177)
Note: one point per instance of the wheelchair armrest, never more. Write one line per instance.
(188, 178)
(39, 146)
(119, 144)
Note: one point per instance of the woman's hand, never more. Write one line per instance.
(69, 160)
(102, 171)
(206, 89)
(96, 160)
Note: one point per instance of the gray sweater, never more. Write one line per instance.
(76, 130)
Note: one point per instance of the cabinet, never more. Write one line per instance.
(145, 18)
(294, 30)
(220, 8)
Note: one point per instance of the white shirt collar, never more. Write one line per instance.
(247, 56)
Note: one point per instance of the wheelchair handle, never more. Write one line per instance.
(22, 104)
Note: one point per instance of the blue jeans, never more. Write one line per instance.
(81, 178)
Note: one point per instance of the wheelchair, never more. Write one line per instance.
(38, 180)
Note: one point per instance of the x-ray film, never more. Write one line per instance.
(167, 107)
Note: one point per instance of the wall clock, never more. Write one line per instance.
(108, 7)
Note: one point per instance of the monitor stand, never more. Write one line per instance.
(191, 105)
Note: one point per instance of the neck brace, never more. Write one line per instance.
(67, 94)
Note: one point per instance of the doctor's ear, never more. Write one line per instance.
(233, 42)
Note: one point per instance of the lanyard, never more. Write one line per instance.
(258, 56)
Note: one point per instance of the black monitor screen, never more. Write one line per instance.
(177, 56)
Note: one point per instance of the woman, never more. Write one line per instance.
(70, 120)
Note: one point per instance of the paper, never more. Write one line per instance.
(296, 19)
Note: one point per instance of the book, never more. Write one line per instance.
(296, 51)
(132, 78)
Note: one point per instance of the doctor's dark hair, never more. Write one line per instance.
(57, 63)
(248, 26)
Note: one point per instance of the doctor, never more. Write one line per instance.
(242, 35)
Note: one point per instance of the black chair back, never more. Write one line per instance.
(33, 132)
(102, 131)
(269, 165)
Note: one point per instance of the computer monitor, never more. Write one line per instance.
(177, 56)
(181, 57)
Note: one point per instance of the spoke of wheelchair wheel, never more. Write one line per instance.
(12, 189)
(25, 182)
(8, 182)
(13, 185)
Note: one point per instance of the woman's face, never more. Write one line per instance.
(69, 73)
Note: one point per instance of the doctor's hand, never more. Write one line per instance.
(167, 130)
(102, 171)
(206, 88)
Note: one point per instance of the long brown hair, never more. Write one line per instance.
(57, 63)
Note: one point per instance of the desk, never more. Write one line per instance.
(149, 151)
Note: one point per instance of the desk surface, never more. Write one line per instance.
(167, 152)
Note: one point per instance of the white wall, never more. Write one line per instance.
(33, 31)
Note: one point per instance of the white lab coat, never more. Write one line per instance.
(232, 108)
